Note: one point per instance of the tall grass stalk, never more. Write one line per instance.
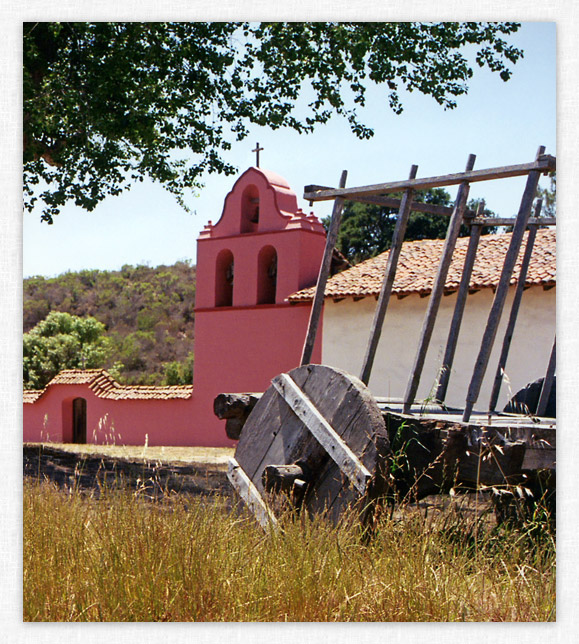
(120, 557)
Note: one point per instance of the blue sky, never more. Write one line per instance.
(501, 123)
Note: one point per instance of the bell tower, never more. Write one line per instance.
(262, 249)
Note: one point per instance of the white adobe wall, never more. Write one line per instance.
(347, 327)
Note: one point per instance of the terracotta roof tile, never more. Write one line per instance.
(31, 395)
(105, 386)
(418, 264)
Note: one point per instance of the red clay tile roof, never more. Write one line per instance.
(418, 264)
(105, 386)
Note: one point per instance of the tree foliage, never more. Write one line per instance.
(62, 341)
(148, 315)
(107, 104)
(549, 196)
(366, 230)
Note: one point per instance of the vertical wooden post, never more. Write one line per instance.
(502, 290)
(438, 288)
(389, 275)
(318, 302)
(445, 369)
(514, 311)
(548, 382)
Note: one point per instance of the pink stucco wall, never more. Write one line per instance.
(243, 349)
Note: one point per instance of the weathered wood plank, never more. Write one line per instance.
(502, 290)
(373, 450)
(438, 454)
(357, 419)
(317, 304)
(329, 392)
(438, 288)
(249, 494)
(337, 449)
(389, 275)
(539, 459)
(543, 164)
(276, 435)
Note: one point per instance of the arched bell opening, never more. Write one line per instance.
(267, 275)
(224, 278)
(250, 210)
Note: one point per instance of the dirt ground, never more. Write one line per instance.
(153, 470)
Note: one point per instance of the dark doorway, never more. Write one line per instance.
(79, 420)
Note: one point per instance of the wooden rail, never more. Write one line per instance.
(502, 288)
(316, 310)
(438, 286)
(389, 275)
(514, 312)
(446, 368)
(543, 164)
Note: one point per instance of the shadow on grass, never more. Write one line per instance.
(85, 472)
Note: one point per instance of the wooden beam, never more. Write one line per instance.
(511, 221)
(514, 312)
(323, 432)
(235, 405)
(392, 202)
(438, 287)
(543, 164)
(502, 289)
(250, 495)
(389, 275)
(316, 310)
(446, 367)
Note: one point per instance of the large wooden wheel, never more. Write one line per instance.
(317, 437)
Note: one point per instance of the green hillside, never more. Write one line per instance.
(148, 315)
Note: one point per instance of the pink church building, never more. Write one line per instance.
(262, 249)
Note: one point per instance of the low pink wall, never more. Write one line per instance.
(109, 422)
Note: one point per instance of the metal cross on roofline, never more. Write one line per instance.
(257, 151)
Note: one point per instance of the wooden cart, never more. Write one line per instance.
(319, 438)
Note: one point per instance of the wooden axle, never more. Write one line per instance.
(282, 478)
(234, 409)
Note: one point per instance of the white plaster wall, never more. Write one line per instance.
(347, 327)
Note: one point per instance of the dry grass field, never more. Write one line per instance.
(165, 541)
